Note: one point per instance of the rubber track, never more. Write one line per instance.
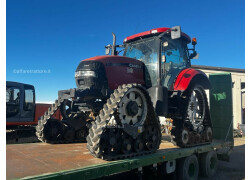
(44, 119)
(109, 109)
(176, 132)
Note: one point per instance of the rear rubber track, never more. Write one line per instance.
(47, 118)
(195, 137)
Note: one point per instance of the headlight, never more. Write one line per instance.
(85, 73)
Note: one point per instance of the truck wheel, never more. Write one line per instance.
(188, 168)
(208, 164)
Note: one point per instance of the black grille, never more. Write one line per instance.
(98, 83)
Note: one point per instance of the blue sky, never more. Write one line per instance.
(56, 35)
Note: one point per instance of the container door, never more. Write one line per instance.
(221, 107)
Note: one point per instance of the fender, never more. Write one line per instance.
(189, 75)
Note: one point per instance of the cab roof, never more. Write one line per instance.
(153, 32)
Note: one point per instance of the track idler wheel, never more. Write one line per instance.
(152, 137)
(208, 134)
(185, 137)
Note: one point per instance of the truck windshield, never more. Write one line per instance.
(145, 50)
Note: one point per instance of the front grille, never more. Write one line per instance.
(81, 82)
(99, 82)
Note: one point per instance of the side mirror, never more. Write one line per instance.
(194, 55)
(175, 32)
(107, 49)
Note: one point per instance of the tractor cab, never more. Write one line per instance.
(164, 52)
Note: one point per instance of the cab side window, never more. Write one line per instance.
(12, 101)
(28, 100)
(173, 52)
(173, 60)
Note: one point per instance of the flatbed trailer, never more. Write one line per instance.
(73, 161)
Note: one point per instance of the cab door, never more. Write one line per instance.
(174, 59)
(28, 109)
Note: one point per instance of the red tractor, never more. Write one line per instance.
(118, 99)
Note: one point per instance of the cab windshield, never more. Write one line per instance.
(145, 50)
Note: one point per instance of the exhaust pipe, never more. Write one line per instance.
(114, 52)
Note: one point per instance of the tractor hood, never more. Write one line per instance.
(115, 60)
(117, 70)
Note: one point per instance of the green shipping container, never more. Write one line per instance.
(221, 106)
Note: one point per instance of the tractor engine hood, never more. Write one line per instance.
(115, 70)
(114, 59)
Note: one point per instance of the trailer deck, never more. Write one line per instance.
(46, 161)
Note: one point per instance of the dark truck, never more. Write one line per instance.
(22, 112)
